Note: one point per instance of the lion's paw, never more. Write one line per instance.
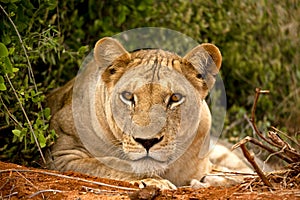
(196, 184)
(215, 180)
(163, 184)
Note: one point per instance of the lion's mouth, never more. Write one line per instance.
(148, 159)
(152, 150)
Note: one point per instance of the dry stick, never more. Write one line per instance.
(69, 177)
(251, 160)
(10, 191)
(230, 173)
(9, 195)
(99, 191)
(260, 144)
(258, 91)
(286, 147)
(286, 135)
(43, 191)
(29, 182)
(3, 185)
(9, 113)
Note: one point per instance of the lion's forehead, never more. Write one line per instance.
(156, 57)
(157, 71)
(144, 66)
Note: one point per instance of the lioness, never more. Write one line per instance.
(140, 117)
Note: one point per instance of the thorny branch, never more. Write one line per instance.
(273, 138)
(253, 120)
(269, 149)
(285, 135)
(251, 160)
(286, 151)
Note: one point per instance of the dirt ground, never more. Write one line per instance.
(19, 182)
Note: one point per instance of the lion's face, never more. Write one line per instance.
(153, 102)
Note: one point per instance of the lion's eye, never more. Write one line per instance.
(127, 98)
(175, 100)
(176, 97)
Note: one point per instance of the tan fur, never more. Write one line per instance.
(171, 160)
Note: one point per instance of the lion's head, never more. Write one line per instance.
(149, 105)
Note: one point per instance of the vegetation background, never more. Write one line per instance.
(43, 43)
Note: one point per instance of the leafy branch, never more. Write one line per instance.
(31, 75)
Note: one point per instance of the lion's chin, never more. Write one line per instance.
(151, 156)
(148, 166)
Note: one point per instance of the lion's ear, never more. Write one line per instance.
(206, 59)
(107, 50)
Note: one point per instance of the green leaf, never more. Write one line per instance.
(42, 140)
(1, 79)
(11, 50)
(8, 65)
(47, 113)
(16, 132)
(14, 69)
(123, 10)
(2, 84)
(2, 87)
(52, 5)
(6, 39)
(3, 50)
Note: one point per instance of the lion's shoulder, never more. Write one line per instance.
(60, 97)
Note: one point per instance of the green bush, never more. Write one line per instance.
(259, 42)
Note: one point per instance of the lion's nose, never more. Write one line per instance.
(148, 143)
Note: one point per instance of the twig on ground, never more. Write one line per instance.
(27, 180)
(3, 185)
(229, 173)
(11, 191)
(10, 195)
(99, 191)
(280, 193)
(69, 177)
(43, 191)
(247, 185)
